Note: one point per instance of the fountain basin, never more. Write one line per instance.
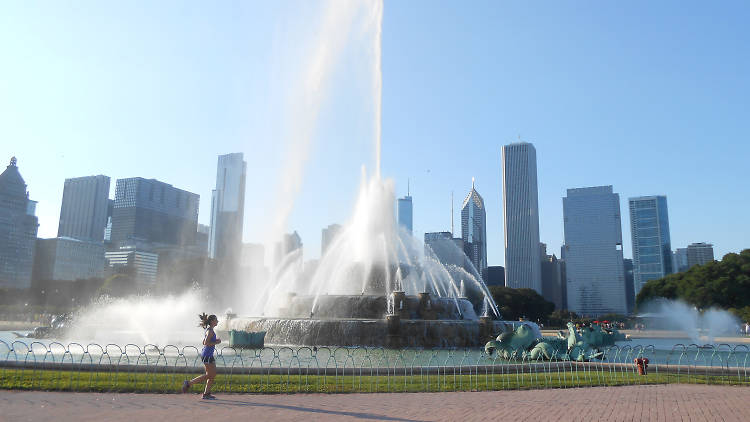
(373, 332)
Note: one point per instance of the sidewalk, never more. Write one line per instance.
(631, 403)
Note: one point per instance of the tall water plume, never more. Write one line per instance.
(309, 92)
(371, 254)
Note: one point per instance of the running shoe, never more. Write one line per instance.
(185, 386)
(208, 397)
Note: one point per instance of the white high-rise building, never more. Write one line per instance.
(595, 276)
(521, 217)
(228, 208)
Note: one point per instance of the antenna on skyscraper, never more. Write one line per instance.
(408, 190)
(451, 213)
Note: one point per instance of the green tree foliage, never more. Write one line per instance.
(518, 303)
(560, 317)
(723, 284)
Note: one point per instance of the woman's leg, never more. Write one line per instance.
(200, 379)
(210, 375)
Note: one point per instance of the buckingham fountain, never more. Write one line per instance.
(376, 285)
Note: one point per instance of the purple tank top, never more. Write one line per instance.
(208, 351)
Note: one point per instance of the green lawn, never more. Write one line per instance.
(55, 380)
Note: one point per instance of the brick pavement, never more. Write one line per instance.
(629, 403)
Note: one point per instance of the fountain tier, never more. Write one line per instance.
(348, 320)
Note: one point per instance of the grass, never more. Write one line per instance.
(143, 382)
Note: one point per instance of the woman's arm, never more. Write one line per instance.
(207, 342)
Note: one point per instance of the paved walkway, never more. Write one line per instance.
(631, 403)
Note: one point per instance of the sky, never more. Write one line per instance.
(650, 97)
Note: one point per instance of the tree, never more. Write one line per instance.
(561, 317)
(723, 284)
(521, 303)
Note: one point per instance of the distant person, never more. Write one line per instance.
(208, 322)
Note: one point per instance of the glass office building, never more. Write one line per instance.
(228, 208)
(593, 251)
(474, 229)
(405, 213)
(84, 209)
(147, 210)
(65, 258)
(649, 228)
(445, 248)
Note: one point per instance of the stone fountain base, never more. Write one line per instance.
(375, 332)
(360, 320)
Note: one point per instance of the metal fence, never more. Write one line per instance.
(152, 368)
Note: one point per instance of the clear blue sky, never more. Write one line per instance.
(650, 97)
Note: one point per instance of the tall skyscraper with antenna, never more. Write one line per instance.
(405, 210)
(521, 217)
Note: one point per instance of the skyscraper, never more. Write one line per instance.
(629, 292)
(405, 212)
(474, 229)
(148, 211)
(108, 227)
(445, 248)
(552, 282)
(143, 266)
(327, 236)
(289, 246)
(228, 208)
(18, 229)
(680, 260)
(65, 258)
(521, 217)
(699, 254)
(593, 251)
(649, 228)
(83, 214)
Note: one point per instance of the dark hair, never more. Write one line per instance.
(206, 319)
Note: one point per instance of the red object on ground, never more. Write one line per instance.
(642, 364)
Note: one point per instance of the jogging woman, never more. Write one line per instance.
(208, 322)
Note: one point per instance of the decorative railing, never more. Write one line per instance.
(152, 368)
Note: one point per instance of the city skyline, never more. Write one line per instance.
(590, 125)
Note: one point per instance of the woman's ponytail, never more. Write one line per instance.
(205, 318)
